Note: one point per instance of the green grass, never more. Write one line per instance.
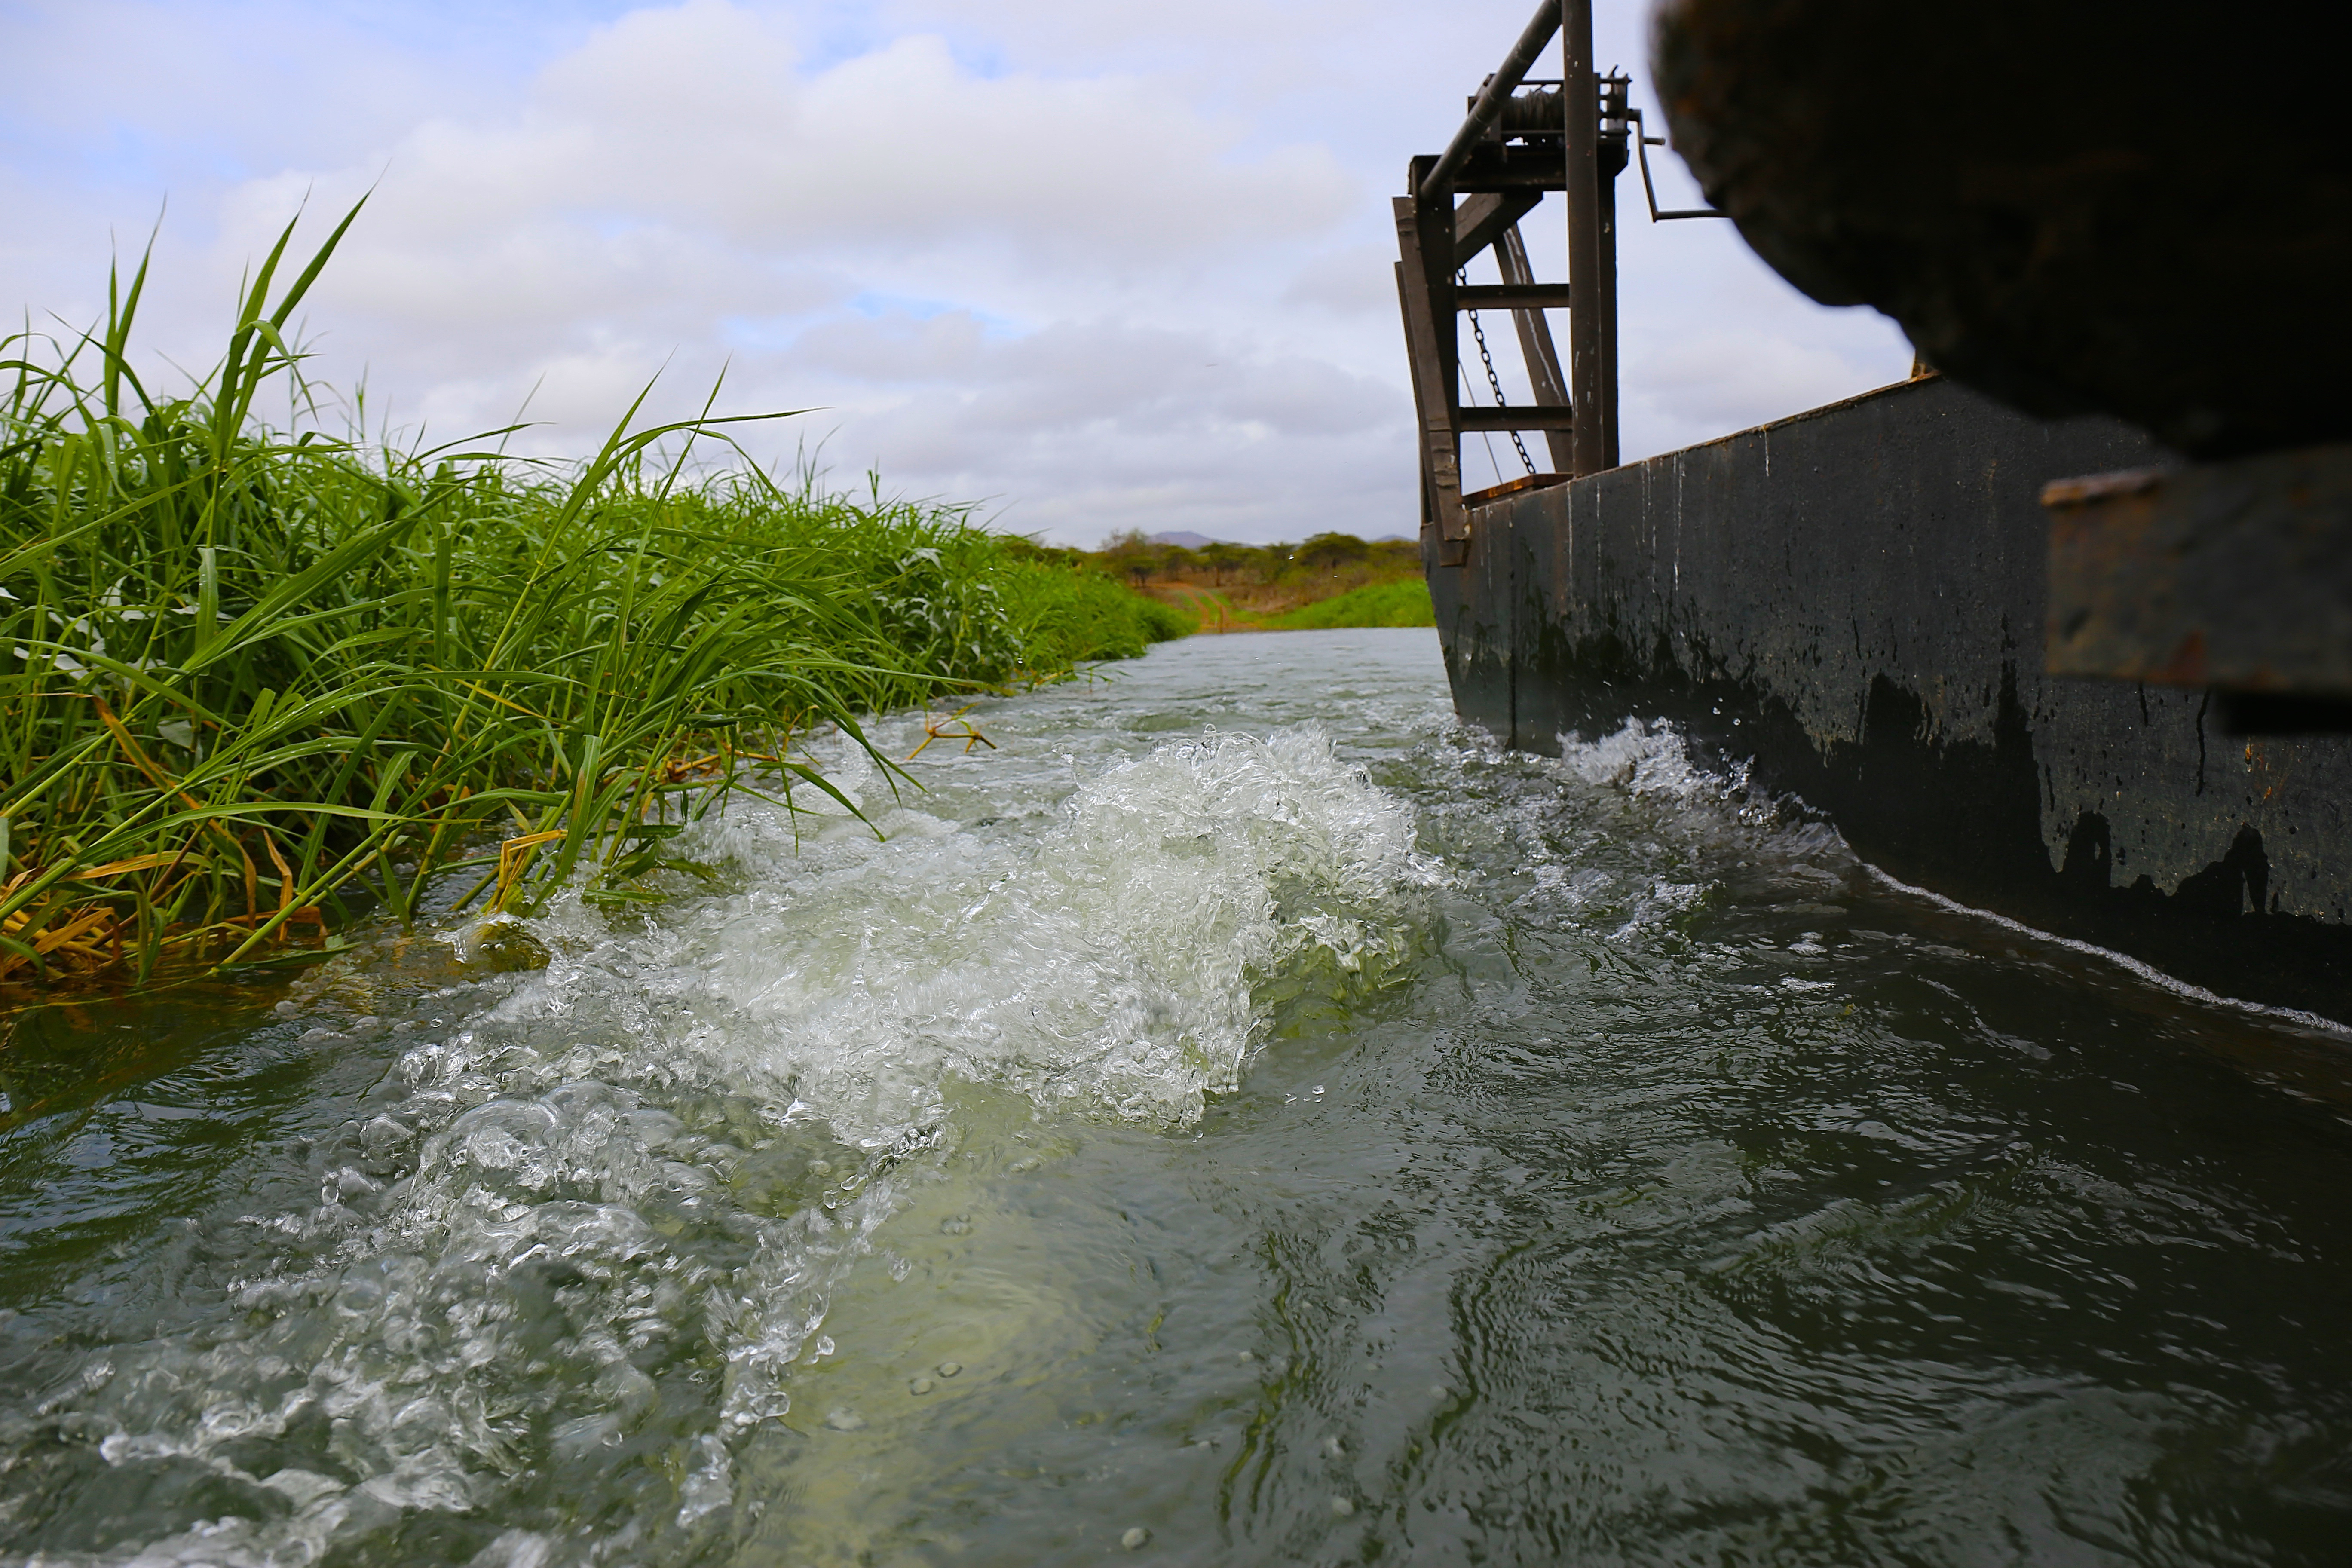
(1068, 615)
(253, 681)
(1405, 604)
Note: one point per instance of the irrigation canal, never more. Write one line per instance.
(1242, 1118)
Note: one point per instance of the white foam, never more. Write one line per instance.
(1642, 759)
(2124, 962)
(1651, 759)
(1109, 959)
(591, 1136)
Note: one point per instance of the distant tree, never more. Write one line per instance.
(1221, 558)
(1130, 551)
(1028, 547)
(1330, 552)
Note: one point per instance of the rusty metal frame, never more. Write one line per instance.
(1470, 199)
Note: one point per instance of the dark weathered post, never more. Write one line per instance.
(1434, 403)
(1587, 285)
(1609, 162)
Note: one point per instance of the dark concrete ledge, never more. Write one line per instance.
(1855, 599)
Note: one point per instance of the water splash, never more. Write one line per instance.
(1648, 759)
(598, 1223)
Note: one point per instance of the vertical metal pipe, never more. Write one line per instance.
(1580, 93)
(1604, 305)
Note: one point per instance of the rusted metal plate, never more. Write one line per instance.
(2236, 575)
(1515, 417)
(1520, 486)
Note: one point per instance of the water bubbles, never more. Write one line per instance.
(597, 1222)
(515, 1549)
(711, 1487)
(575, 1439)
(382, 1135)
(302, 1488)
(1114, 960)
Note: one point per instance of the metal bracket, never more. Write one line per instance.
(1643, 142)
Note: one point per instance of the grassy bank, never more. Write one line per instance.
(253, 681)
(1277, 587)
(1399, 603)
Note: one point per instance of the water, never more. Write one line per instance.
(1240, 1118)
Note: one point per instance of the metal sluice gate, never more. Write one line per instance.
(1524, 138)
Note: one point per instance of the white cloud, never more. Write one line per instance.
(1103, 266)
(1356, 280)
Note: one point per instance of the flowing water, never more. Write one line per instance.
(1238, 1116)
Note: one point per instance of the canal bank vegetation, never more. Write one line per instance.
(254, 681)
(1332, 580)
(1404, 602)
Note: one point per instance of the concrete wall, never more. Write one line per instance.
(1854, 598)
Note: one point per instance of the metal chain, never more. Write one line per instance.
(1493, 380)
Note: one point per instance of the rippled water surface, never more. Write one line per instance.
(1238, 1118)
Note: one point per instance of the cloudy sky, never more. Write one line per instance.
(1095, 266)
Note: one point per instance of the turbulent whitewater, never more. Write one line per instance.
(1233, 1115)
